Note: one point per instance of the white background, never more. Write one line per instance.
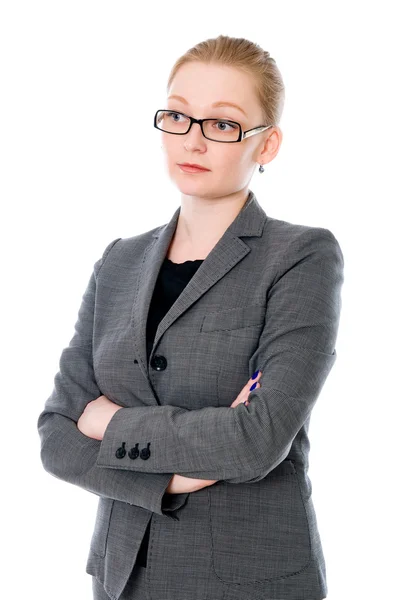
(81, 164)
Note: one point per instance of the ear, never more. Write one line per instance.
(271, 146)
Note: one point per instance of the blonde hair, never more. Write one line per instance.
(249, 58)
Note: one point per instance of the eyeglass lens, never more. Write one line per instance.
(219, 130)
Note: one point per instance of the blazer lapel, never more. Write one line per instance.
(228, 251)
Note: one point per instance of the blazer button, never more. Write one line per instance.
(145, 452)
(134, 452)
(158, 362)
(121, 451)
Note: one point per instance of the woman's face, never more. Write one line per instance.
(231, 165)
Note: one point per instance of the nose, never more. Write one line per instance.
(195, 132)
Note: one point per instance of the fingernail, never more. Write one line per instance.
(253, 386)
(255, 374)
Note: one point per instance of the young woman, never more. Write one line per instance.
(184, 397)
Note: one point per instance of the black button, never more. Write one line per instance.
(145, 452)
(158, 362)
(134, 452)
(121, 451)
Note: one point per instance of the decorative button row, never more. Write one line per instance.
(134, 452)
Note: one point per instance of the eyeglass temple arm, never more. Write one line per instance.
(256, 130)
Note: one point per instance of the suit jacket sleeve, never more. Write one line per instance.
(66, 452)
(296, 352)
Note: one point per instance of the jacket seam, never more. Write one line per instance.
(106, 254)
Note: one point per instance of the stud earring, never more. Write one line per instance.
(261, 169)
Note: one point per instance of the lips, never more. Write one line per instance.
(193, 166)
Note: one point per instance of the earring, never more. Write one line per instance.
(261, 169)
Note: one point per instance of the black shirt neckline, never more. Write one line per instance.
(198, 260)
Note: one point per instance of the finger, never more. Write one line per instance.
(246, 402)
(243, 395)
(247, 389)
(250, 382)
(256, 378)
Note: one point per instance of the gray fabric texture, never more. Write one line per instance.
(268, 296)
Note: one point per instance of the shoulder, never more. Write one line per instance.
(288, 240)
(120, 251)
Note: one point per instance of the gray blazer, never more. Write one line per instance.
(268, 297)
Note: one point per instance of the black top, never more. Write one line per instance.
(172, 279)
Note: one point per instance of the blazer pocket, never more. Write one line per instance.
(102, 524)
(259, 531)
(234, 318)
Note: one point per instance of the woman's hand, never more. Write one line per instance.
(244, 393)
(96, 416)
(180, 484)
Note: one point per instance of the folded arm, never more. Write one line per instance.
(296, 352)
(68, 454)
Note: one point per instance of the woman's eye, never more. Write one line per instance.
(169, 114)
(233, 127)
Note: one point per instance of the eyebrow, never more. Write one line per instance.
(214, 105)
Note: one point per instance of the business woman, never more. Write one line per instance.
(184, 398)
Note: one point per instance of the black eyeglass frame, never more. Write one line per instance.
(242, 134)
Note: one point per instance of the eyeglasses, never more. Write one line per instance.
(166, 120)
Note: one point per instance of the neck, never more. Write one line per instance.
(203, 221)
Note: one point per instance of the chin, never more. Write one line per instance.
(188, 187)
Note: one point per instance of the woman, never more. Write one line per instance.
(184, 398)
